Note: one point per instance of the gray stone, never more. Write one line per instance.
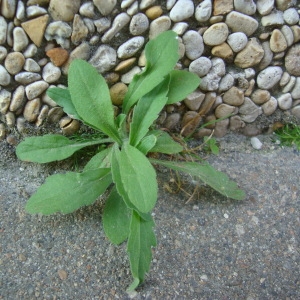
(274, 18)
(292, 60)
(63, 10)
(296, 111)
(194, 100)
(126, 3)
(235, 123)
(27, 77)
(133, 9)
(60, 32)
(104, 59)
(105, 6)
(5, 98)
(193, 43)
(224, 110)
(291, 16)
(267, 57)
(277, 41)
(159, 25)
(289, 86)
(4, 76)
(264, 7)
(102, 24)
(288, 35)
(182, 10)
(127, 77)
(210, 82)
(237, 41)
(31, 65)
(285, 101)
(203, 11)
(218, 66)
(216, 34)
(270, 106)
(35, 11)
(226, 83)
(80, 31)
(234, 96)
(3, 30)
(296, 90)
(247, 7)
(249, 111)
(20, 39)
(30, 51)
(269, 77)
(172, 121)
(18, 98)
(131, 47)
(180, 27)
(256, 143)
(51, 73)
(138, 24)
(35, 89)
(285, 4)
(200, 66)
(14, 62)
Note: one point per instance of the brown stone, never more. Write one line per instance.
(58, 56)
(260, 96)
(234, 96)
(224, 110)
(36, 28)
(208, 103)
(222, 7)
(296, 33)
(154, 12)
(124, 65)
(292, 60)
(223, 51)
(277, 41)
(118, 92)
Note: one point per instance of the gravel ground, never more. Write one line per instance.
(209, 248)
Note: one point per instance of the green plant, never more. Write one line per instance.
(122, 166)
(289, 135)
(210, 144)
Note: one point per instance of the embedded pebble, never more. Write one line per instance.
(285, 4)
(269, 77)
(180, 28)
(249, 111)
(20, 12)
(27, 77)
(138, 24)
(246, 7)
(216, 34)
(133, 9)
(287, 88)
(126, 3)
(10, 119)
(270, 106)
(234, 96)
(4, 76)
(131, 47)
(274, 18)
(104, 59)
(105, 7)
(264, 7)
(127, 77)
(291, 16)
(35, 11)
(80, 31)
(58, 56)
(203, 11)
(277, 41)
(31, 65)
(172, 121)
(256, 143)
(60, 32)
(35, 89)
(237, 41)
(14, 62)
(3, 30)
(30, 51)
(87, 10)
(8, 8)
(267, 56)
(296, 90)
(32, 109)
(159, 25)
(194, 100)
(118, 92)
(239, 22)
(223, 51)
(296, 111)
(260, 96)
(200, 66)
(226, 83)
(154, 12)
(285, 101)
(18, 98)
(20, 39)
(182, 10)
(288, 34)
(5, 98)
(193, 44)
(224, 110)
(236, 123)
(51, 73)
(292, 60)
(285, 78)
(64, 10)
(221, 128)
(102, 24)
(296, 33)
(3, 53)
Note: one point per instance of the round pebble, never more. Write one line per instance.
(237, 41)
(64, 10)
(193, 44)
(104, 59)
(216, 34)
(291, 16)
(51, 73)
(270, 106)
(14, 62)
(159, 25)
(131, 47)
(285, 101)
(256, 143)
(269, 77)
(4, 76)
(138, 24)
(203, 11)
(200, 66)
(182, 10)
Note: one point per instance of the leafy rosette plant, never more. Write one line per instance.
(123, 166)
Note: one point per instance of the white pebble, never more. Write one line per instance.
(203, 11)
(256, 143)
(127, 77)
(138, 24)
(264, 7)
(269, 77)
(180, 27)
(274, 18)
(35, 89)
(20, 39)
(193, 42)
(51, 73)
(87, 10)
(246, 7)
(291, 16)
(285, 101)
(200, 66)
(105, 7)
(131, 47)
(237, 41)
(296, 90)
(3, 53)
(3, 30)
(4, 76)
(59, 31)
(104, 59)
(182, 10)
(27, 77)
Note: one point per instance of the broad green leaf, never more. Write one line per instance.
(182, 83)
(122, 126)
(51, 147)
(63, 98)
(209, 175)
(147, 143)
(91, 98)
(67, 192)
(161, 57)
(116, 218)
(146, 112)
(141, 240)
(165, 143)
(100, 160)
(135, 178)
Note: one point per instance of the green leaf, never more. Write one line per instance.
(100, 160)
(116, 218)
(209, 175)
(63, 98)
(135, 178)
(141, 240)
(161, 56)
(147, 143)
(165, 143)
(91, 98)
(182, 83)
(146, 112)
(51, 147)
(67, 192)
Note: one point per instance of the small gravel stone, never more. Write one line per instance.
(249, 111)
(208, 103)
(120, 21)
(51, 73)
(277, 41)
(3, 53)
(288, 34)
(172, 121)
(251, 55)
(203, 11)
(138, 24)
(267, 56)
(127, 77)
(4, 76)
(105, 7)
(216, 34)
(104, 59)
(270, 106)
(117, 93)
(194, 100)
(20, 11)
(14, 62)
(32, 109)
(63, 10)
(182, 10)
(238, 22)
(256, 143)
(237, 41)
(200, 66)
(154, 12)
(18, 98)
(285, 101)
(159, 25)
(5, 98)
(125, 65)
(226, 83)
(260, 96)
(60, 32)
(27, 77)
(285, 78)
(234, 96)
(291, 16)
(131, 47)
(296, 111)
(296, 90)
(126, 3)
(274, 18)
(296, 33)
(287, 88)
(292, 60)
(193, 44)
(133, 9)
(87, 10)
(102, 24)
(20, 39)
(35, 89)
(236, 123)
(264, 7)
(223, 51)
(246, 7)
(224, 110)
(80, 31)
(3, 30)
(8, 8)
(31, 65)
(269, 77)
(30, 51)
(58, 56)
(35, 11)
(221, 128)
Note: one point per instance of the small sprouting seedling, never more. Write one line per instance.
(122, 166)
(211, 145)
(289, 135)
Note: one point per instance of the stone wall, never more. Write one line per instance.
(246, 52)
